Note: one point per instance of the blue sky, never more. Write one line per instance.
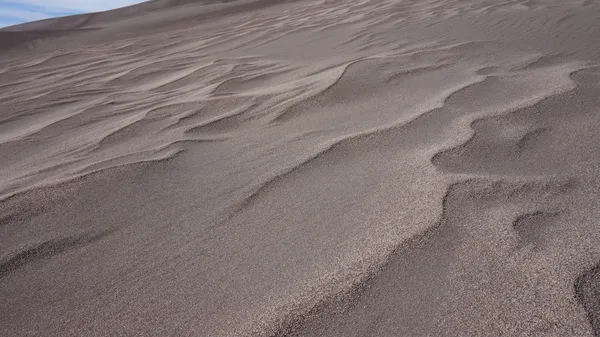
(18, 11)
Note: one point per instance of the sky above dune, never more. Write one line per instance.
(19, 11)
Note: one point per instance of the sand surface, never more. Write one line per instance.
(302, 168)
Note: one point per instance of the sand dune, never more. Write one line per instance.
(302, 168)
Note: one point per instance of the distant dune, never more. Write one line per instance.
(302, 168)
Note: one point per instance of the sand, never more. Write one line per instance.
(302, 168)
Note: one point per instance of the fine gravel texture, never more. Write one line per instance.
(302, 168)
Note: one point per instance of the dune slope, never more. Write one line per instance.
(302, 168)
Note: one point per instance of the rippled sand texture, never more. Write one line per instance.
(302, 168)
